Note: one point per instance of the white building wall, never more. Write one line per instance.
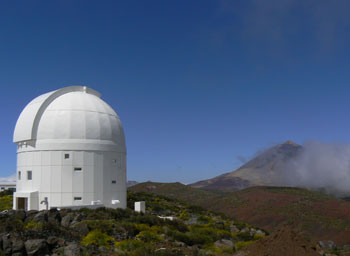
(54, 177)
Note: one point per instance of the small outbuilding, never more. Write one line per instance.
(70, 152)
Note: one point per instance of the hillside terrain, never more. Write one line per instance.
(266, 169)
(169, 228)
(320, 216)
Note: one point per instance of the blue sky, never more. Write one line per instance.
(199, 85)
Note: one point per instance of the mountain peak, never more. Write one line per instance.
(266, 169)
(289, 142)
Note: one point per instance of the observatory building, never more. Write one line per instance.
(70, 152)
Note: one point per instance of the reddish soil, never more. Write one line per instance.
(284, 242)
(323, 218)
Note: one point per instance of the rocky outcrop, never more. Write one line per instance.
(50, 232)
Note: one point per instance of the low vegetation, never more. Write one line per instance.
(169, 227)
(319, 215)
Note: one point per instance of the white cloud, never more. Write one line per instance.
(11, 178)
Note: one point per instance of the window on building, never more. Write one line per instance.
(29, 175)
(19, 175)
(78, 198)
(78, 169)
(114, 181)
(66, 156)
(2, 188)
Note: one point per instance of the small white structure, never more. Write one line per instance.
(8, 186)
(70, 152)
(140, 206)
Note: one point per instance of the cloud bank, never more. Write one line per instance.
(321, 165)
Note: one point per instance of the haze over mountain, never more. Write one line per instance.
(267, 169)
(314, 165)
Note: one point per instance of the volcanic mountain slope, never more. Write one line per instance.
(266, 169)
(322, 217)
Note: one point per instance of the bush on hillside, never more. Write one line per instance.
(6, 202)
(149, 236)
(98, 238)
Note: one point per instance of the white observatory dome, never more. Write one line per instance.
(70, 152)
(70, 114)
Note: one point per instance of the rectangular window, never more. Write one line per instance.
(29, 175)
(78, 169)
(19, 175)
(66, 156)
(114, 181)
(78, 198)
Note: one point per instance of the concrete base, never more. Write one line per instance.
(26, 200)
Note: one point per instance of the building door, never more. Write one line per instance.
(22, 203)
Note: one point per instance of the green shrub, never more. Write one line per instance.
(33, 225)
(219, 251)
(142, 227)
(184, 215)
(257, 237)
(204, 219)
(13, 224)
(176, 224)
(6, 202)
(199, 238)
(240, 225)
(190, 238)
(168, 252)
(223, 234)
(244, 236)
(98, 238)
(106, 225)
(241, 244)
(130, 245)
(149, 236)
(146, 219)
(130, 228)
(103, 213)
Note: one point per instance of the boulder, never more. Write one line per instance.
(18, 254)
(21, 214)
(6, 244)
(36, 247)
(54, 216)
(72, 249)
(79, 217)
(52, 240)
(17, 246)
(11, 213)
(234, 229)
(30, 214)
(223, 243)
(327, 245)
(260, 233)
(246, 230)
(41, 216)
(81, 228)
(67, 219)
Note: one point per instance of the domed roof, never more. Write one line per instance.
(70, 113)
